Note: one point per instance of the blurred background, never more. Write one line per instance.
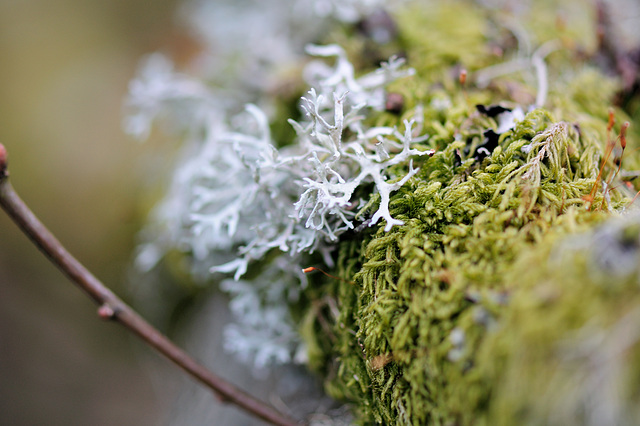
(64, 70)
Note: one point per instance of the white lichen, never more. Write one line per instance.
(305, 191)
(239, 197)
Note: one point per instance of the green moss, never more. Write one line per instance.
(567, 347)
(456, 316)
(442, 274)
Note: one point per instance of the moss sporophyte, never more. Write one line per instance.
(470, 204)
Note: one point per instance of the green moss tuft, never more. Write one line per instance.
(456, 316)
(567, 347)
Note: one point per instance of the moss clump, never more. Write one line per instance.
(568, 345)
(456, 316)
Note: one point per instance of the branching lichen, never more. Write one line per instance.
(260, 198)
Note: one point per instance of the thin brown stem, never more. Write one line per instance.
(112, 307)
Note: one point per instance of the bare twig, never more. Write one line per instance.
(112, 307)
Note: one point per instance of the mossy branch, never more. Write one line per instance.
(113, 308)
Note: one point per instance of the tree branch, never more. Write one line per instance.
(112, 307)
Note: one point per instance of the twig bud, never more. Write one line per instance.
(106, 312)
(3, 161)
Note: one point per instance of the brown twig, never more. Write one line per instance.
(112, 307)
